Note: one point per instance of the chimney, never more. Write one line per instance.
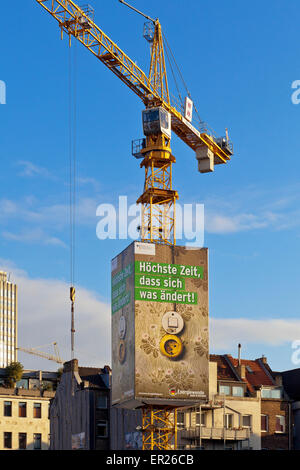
(40, 379)
(241, 369)
(264, 359)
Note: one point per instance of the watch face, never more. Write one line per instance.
(122, 352)
(171, 346)
(172, 323)
(122, 327)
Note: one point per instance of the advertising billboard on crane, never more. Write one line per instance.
(188, 109)
(160, 351)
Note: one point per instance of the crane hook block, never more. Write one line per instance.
(72, 294)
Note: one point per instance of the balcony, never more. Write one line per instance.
(233, 434)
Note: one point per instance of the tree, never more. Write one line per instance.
(47, 386)
(14, 373)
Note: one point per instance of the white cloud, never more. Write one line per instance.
(44, 317)
(253, 209)
(30, 170)
(8, 208)
(28, 221)
(30, 211)
(34, 236)
(229, 332)
(218, 223)
(90, 182)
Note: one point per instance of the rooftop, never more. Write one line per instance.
(257, 372)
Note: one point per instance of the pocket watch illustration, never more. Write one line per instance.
(171, 345)
(122, 344)
(122, 352)
(122, 327)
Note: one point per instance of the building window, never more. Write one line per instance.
(7, 408)
(238, 391)
(280, 424)
(22, 409)
(37, 441)
(264, 423)
(200, 418)
(101, 429)
(37, 410)
(180, 420)
(275, 393)
(7, 440)
(246, 421)
(22, 440)
(101, 402)
(224, 390)
(228, 421)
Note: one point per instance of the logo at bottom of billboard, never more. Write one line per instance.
(171, 325)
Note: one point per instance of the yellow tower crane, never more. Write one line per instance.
(161, 117)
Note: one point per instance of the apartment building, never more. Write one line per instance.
(24, 411)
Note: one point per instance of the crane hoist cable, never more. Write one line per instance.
(174, 77)
(72, 183)
(167, 47)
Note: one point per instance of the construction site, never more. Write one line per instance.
(162, 388)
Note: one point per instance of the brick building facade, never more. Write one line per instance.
(275, 424)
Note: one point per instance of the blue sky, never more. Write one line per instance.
(239, 60)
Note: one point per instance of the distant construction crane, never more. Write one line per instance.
(50, 357)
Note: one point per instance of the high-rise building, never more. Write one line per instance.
(8, 321)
